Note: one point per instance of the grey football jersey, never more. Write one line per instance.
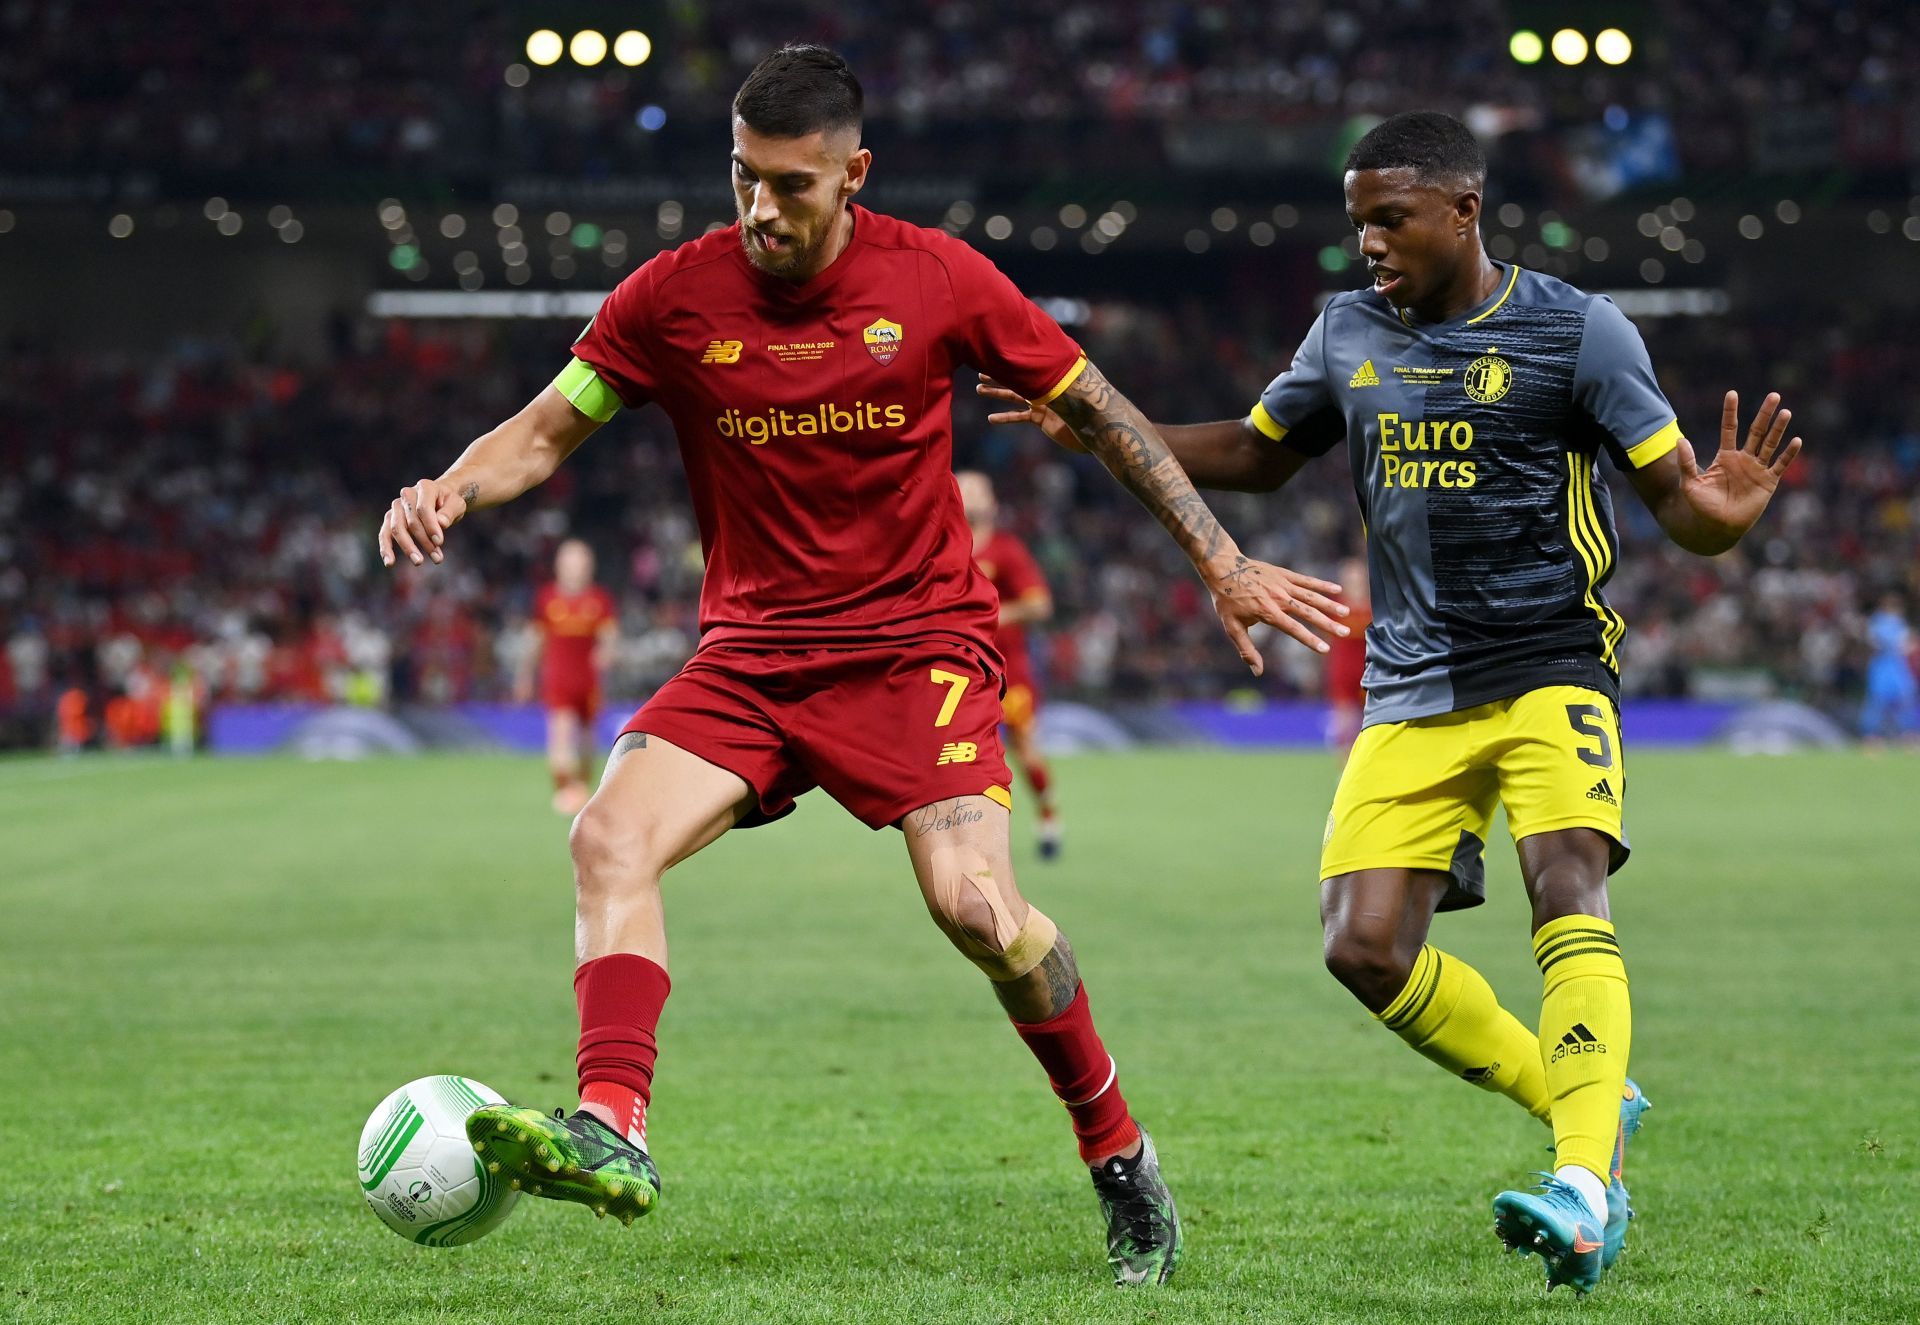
(1472, 444)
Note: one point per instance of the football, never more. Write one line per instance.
(418, 1170)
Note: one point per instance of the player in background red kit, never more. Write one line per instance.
(1347, 660)
(1025, 601)
(577, 626)
(805, 357)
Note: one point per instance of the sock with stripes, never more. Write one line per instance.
(1084, 1077)
(1586, 1029)
(1448, 1013)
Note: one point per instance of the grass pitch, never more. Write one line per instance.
(210, 972)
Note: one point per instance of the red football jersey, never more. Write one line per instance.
(815, 423)
(1347, 659)
(1014, 574)
(569, 624)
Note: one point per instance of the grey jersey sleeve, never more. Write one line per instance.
(1297, 407)
(1614, 386)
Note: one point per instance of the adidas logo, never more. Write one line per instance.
(1364, 375)
(1579, 1040)
(1479, 1076)
(1603, 791)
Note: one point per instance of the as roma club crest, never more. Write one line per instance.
(883, 340)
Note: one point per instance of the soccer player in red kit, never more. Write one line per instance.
(805, 356)
(1347, 660)
(577, 624)
(1025, 601)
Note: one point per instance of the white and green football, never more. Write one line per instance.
(418, 1170)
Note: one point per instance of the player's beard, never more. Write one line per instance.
(790, 262)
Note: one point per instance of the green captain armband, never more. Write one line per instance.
(590, 394)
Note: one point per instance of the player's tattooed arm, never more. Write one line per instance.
(1231, 455)
(1108, 425)
(1244, 590)
(520, 454)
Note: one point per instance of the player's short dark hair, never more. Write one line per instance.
(1438, 146)
(798, 90)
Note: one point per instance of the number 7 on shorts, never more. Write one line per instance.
(956, 687)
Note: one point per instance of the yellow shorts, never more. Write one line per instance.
(1420, 794)
(1016, 706)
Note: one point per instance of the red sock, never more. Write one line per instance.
(1037, 777)
(620, 997)
(1084, 1077)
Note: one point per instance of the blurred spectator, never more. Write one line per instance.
(980, 86)
(201, 507)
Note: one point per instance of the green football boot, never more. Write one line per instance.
(577, 1158)
(1143, 1229)
(1633, 1103)
(1556, 1222)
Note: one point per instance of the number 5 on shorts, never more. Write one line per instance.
(1588, 720)
(956, 687)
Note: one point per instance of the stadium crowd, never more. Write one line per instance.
(986, 84)
(214, 510)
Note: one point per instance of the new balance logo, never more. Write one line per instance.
(1579, 1040)
(1364, 375)
(958, 752)
(722, 351)
(1603, 791)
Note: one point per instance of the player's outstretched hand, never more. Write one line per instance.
(417, 522)
(1734, 490)
(1024, 411)
(1248, 591)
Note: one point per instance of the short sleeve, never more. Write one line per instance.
(1017, 571)
(1298, 407)
(609, 615)
(618, 344)
(1614, 385)
(1003, 333)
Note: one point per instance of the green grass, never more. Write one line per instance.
(210, 972)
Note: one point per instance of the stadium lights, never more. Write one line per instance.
(1569, 46)
(1526, 47)
(632, 48)
(588, 47)
(1613, 46)
(545, 47)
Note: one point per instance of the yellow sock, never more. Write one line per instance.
(1586, 1029)
(1448, 1013)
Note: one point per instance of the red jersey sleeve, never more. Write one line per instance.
(1003, 333)
(608, 613)
(618, 343)
(542, 597)
(1017, 572)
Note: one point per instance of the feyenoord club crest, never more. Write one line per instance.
(883, 339)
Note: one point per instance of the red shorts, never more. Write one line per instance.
(578, 695)
(1021, 703)
(882, 730)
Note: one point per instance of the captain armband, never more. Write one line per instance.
(588, 391)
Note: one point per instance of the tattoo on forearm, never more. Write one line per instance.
(1110, 427)
(470, 493)
(943, 816)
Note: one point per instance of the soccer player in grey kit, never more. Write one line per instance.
(1475, 399)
